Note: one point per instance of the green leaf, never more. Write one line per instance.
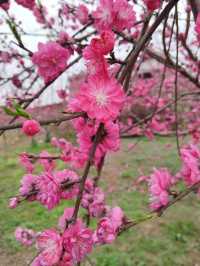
(13, 28)
(21, 112)
(10, 111)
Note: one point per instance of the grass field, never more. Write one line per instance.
(167, 241)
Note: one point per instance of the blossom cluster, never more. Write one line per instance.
(73, 241)
(48, 187)
(67, 248)
(100, 99)
(161, 182)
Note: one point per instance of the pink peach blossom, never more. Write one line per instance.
(49, 190)
(13, 202)
(82, 14)
(124, 15)
(100, 98)
(104, 15)
(31, 127)
(77, 241)
(28, 185)
(51, 59)
(50, 246)
(159, 183)
(25, 236)
(100, 46)
(190, 172)
(108, 226)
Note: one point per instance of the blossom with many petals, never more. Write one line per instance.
(94, 54)
(70, 177)
(100, 98)
(50, 246)
(77, 241)
(124, 15)
(116, 215)
(82, 14)
(51, 59)
(118, 14)
(50, 187)
(13, 202)
(31, 127)
(190, 171)
(108, 226)
(100, 46)
(105, 233)
(194, 130)
(28, 185)
(49, 191)
(25, 236)
(104, 14)
(159, 183)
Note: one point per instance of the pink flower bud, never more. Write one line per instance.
(13, 203)
(31, 127)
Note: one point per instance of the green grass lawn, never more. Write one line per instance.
(170, 240)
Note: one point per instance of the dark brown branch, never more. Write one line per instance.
(44, 122)
(86, 171)
(141, 44)
(160, 212)
(194, 6)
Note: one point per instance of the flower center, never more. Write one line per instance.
(101, 97)
(54, 61)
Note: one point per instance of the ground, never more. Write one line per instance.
(170, 240)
